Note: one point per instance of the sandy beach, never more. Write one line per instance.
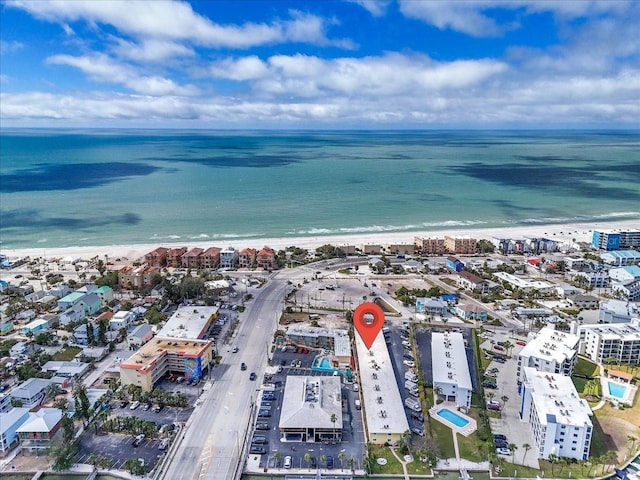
(577, 232)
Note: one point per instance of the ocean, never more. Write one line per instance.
(108, 187)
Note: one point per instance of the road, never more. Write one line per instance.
(217, 429)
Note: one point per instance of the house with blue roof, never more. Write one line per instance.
(91, 303)
(432, 306)
(70, 300)
(106, 295)
(454, 264)
(40, 428)
(621, 258)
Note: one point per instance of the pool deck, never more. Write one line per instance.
(629, 395)
(467, 430)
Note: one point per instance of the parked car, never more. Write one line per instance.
(264, 413)
(493, 406)
(123, 404)
(234, 349)
(134, 405)
(329, 463)
(521, 343)
(287, 461)
(253, 376)
(500, 436)
(498, 347)
(262, 426)
(489, 384)
(243, 366)
(257, 449)
(313, 463)
(418, 431)
(409, 363)
(417, 416)
(138, 440)
(503, 451)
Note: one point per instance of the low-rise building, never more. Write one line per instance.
(311, 409)
(162, 355)
(73, 314)
(70, 370)
(629, 290)
(70, 300)
(39, 430)
(157, 258)
(371, 249)
(454, 264)
(91, 303)
(139, 336)
(619, 341)
(9, 423)
(549, 351)
(384, 414)
(583, 301)
(472, 282)
(191, 258)
(174, 257)
(266, 259)
(247, 258)
(189, 322)
(559, 419)
(210, 258)
(334, 340)
(105, 293)
(431, 307)
(451, 378)
(593, 279)
(524, 284)
(617, 311)
(228, 258)
(430, 245)
(400, 248)
(470, 312)
(137, 277)
(31, 393)
(36, 326)
(122, 319)
(621, 258)
(460, 245)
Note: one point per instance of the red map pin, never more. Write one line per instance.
(367, 327)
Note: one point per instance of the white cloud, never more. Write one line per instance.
(176, 21)
(377, 8)
(150, 50)
(102, 68)
(10, 46)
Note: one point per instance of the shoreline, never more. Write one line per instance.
(567, 232)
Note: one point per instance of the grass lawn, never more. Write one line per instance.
(557, 470)
(580, 383)
(418, 468)
(393, 466)
(586, 368)
(633, 369)
(67, 354)
(444, 439)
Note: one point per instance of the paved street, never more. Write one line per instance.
(218, 427)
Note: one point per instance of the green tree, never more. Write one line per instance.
(333, 421)
(341, 457)
(276, 456)
(63, 454)
(68, 429)
(553, 459)
(526, 447)
(513, 447)
(307, 458)
(485, 246)
(323, 459)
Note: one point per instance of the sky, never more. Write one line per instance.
(320, 64)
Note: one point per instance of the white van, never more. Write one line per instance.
(358, 406)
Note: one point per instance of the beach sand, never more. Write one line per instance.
(577, 232)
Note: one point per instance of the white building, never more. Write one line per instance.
(625, 274)
(549, 351)
(525, 284)
(617, 311)
(189, 322)
(620, 258)
(228, 258)
(122, 319)
(594, 279)
(618, 340)
(382, 403)
(559, 419)
(450, 368)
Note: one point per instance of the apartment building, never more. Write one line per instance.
(157, 258)
(451, 376)
(174, 257)
(247, 258)
(229, 258)
(615, 240)
(617, 311)
(621, 258)
(460, 245)
(429, 245)
(620, 341)
(266, 259)
(191, 258)
(137, 277)
(210, 258)
(559, 419)
(549, 351)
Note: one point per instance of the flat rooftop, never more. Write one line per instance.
(450, 359)
(158, 346)
(551, 345)
(189, 322)
(309, 402)
(556, 399)
(616, 331)
(341, 340)
(383, 406)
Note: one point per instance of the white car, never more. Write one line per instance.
(503, 451)
(134, 405)
(406, 344)
(287, 461)
(234, 350)
(409, 363)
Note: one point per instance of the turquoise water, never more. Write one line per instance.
(105, 187)
(452, 417)
(322, 365)
(616, 390)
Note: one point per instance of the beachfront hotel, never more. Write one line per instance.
(451, 378)
(550, 351)
(385, 420)
(559, 419)
(615, 239)
(163, 355)
(620, 341)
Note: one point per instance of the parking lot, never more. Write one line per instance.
(352, 445)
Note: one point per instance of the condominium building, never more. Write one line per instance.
(189, 322)
(163, 355)
(460, 245)
(210, 258)
(617, 311)
(229, 258)
(451, 378)
(247, 258)
(174, 257)
(559, 419)
(266, 259)
(615, 240)
(429, 245)
(620, 341)
(137, 277)
(621, 258)
(157, 258)
(384, 414)
(549, 351)
(191, 259)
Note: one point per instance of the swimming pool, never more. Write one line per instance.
(452, 417)
(617, 390)
(323, 364)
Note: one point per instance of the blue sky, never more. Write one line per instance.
(320, 64)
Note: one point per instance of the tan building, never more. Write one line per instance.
(174, 257)
(163, 355)
(210, 258)
(136, 277)
(247, 258)
(460, 245)
(157, 258)
(401, 248)
(430, 245)
(191, 259)
(371, 249)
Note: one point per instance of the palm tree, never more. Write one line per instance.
(513, 447)
(491, 395)
(553, 458)
(526, 447)
(341, 457)
(504, 399)
(276, 457)
(323, 459)
(333, 421)
(508, 346)
(632, 440)
(307, 458)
